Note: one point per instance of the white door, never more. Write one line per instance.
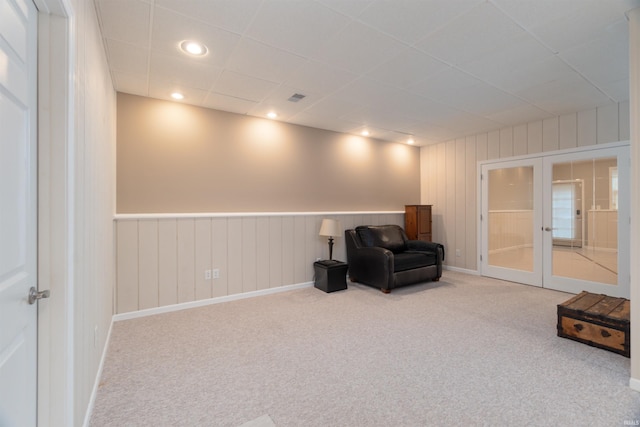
(18, 203)
(511, 221)
(556, 221)
(598, 261)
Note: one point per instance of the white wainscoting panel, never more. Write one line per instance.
(162, 260)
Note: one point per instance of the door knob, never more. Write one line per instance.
(548, 229)
(34, 295)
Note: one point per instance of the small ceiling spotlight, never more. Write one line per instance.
(193, 48)
(272, 115)
(411, 141)
(365, 133)
(177, 96)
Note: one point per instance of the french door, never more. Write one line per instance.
(558, 221)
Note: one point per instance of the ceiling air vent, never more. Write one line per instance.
(296, 97)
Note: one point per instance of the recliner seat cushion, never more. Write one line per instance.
(384, 236)
(410, 260)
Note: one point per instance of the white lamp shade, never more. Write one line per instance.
(330, 228)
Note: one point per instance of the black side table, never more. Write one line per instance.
(331, 275)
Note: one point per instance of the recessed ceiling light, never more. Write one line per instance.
(177, 95)
(411, 141)
(272, 115)
(193, 48)
(364, 133)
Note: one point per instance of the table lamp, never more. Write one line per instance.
(330, 228)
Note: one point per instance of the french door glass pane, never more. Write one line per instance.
(510, 226)
(585, 220)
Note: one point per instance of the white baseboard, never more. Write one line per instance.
(204, 302)
(96, 384)
(460, 270)
(634, 383)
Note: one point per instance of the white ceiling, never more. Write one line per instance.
(434, 69)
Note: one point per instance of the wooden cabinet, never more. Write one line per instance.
(417, 222)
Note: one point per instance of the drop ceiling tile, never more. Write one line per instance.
(187, 72)
(533, 74)
(605, 59)
(484, 100)
(432, 133)
(228, 103)
(530, 14)
(564, 85)
(381, 118)
(351, 8)
(231, 15)
(444, 85)
(278, 101)
(367, 91)
(400, 138)
(332, 106)
(170, 28)
(321, 122)
(406, 68)
(374, 132)
(125, 20)
(412, 20)
(465, 123)
(298, 27)
(162, 90)
(242, 86)
(358, 48)
(567, 23)
(572, 102)
(136, 84)
(255, 59)
(618, 91)
(479, 32)
(314, 76)
(127, 58)
(518, 115)
(517, 53)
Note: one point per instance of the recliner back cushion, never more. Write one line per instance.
(385, 236)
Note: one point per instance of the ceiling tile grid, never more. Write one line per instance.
(437, 69)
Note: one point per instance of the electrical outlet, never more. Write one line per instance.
(458, 253)
(207, 275)
(216, 273)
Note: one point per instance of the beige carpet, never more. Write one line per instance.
(463, 351)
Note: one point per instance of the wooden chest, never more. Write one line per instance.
(598, 320)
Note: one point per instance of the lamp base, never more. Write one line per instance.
(330, 248)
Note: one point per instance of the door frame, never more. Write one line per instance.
(56, 159)
(529, 157)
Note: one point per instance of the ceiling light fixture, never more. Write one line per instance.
(365, 133)
(193, 48)
(177, 95)
(272, 115)
(411, 141)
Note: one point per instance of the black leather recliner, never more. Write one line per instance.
(383, 257)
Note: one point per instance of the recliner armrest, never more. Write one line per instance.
(420, 245)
